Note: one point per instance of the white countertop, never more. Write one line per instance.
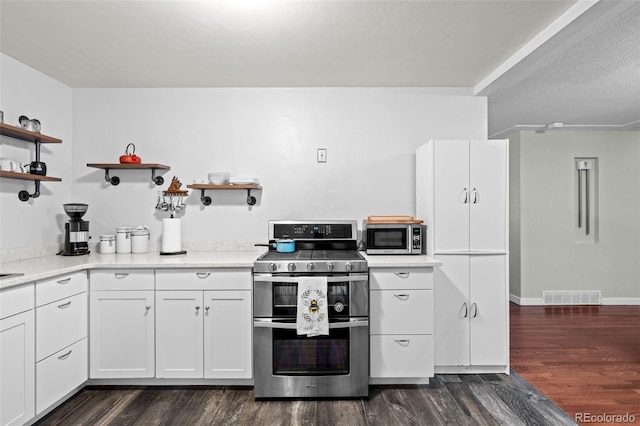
(49, 266)
(400, 261)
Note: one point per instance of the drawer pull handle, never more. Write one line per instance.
(402, 342)
(120, 275)
(474, 309)
(402, 296)
(401, 274)
(466, 310)
(65, 305)
(65, 356)
(203, 275)
(64, 281)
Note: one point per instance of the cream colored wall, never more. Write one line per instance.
(549, 257)
(514, 215)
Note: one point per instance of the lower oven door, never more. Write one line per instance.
(287, 365)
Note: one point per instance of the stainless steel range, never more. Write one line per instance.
(288, 364)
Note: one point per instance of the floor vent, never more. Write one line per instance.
(572, 297)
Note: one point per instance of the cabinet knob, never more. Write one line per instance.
(197, 308)
(147, 307)
(206, 308)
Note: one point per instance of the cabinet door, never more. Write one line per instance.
(451, 195)
(489, 310)
(488, 195)
(122, 334)
(451, 285)
(17, 369)
(179, 334)
(227, 334)
(60, 374)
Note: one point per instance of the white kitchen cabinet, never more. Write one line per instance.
(462, 194)
(462, 189)
(401, 325)
(228, 334)
(179, 334)
(471, 328)
(61, 338)
(121, 324)
(206, 330)
(17, 355)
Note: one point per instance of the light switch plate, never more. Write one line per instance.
(322, 155)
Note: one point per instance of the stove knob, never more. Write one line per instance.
(311, 266)
(272, 267)
(348, 266)
(329, 266)
(291, 267)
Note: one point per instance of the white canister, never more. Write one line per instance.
(123, 239)
(107, 244)
(140, 240)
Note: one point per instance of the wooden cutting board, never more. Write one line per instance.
(393, 219)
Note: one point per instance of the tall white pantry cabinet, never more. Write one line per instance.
(462, 195)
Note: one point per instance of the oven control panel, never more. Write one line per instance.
(333, 230)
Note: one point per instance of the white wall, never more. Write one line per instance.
(371, 136)
(550, 257)
(24, 91)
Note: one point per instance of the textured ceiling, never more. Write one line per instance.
(590, 78)
(277, 43)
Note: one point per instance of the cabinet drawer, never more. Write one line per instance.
(203, 279)
(15, 300)
(401, 311)
(60, 374)
(60, 324)
(408, 278)
(60, 287)
(122, 279)
(401, 356)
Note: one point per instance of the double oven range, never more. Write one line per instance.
(289, 365)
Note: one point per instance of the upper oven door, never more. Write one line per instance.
(388, 239)
(277, 295)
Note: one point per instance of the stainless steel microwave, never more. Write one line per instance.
(394, 238)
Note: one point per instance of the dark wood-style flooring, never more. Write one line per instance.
(488, 399)
(586, 359)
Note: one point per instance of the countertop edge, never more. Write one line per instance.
(46, 267)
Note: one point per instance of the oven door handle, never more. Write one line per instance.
(279, 279)
(269, 323)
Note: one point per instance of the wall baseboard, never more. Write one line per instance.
(539, 301)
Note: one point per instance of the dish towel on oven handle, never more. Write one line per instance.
(313, 317)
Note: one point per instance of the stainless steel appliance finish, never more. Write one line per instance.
(288, 365)
(394, 238)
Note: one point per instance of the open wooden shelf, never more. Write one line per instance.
(28, 176)
(206, 200)
(129, 166)
(114, 180)
(26, 135)
(229, 186)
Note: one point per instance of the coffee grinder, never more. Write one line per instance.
(76, 235)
